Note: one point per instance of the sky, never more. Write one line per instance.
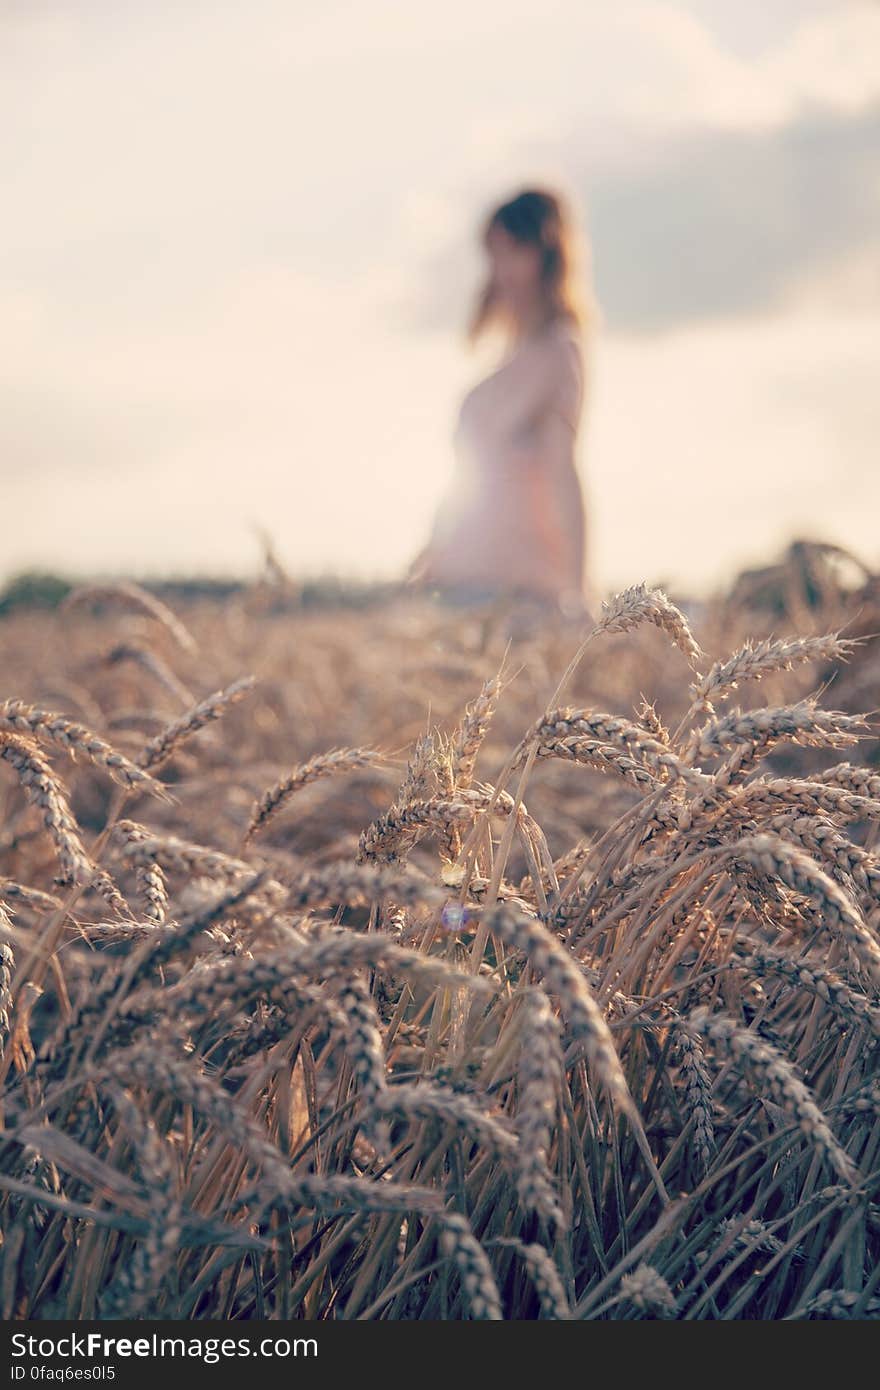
(240, 243)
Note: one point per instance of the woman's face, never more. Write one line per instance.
(516, 270)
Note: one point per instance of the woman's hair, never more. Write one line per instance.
(540, 218)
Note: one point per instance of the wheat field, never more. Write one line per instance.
(395, 959)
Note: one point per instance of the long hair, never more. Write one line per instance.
(539, 218)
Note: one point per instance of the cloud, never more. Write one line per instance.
(715, 223)
(726, 223)
(712, 176)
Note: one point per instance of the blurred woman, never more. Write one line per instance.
(513, 519)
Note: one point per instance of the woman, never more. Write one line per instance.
(513, 519)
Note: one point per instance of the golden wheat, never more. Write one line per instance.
(431, 1052)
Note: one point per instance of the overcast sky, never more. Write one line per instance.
(239, 245)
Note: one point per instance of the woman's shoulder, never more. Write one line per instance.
(565, 330)
(554, 354)
(565, 323)
(557, 337)
(563, 345)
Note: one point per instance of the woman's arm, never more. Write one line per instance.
(556, 505)
(549, 386)
(546, 377)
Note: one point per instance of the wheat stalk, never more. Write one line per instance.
(138, 600)
(781, 1080)
(213, 707)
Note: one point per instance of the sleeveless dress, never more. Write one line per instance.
(512, 519)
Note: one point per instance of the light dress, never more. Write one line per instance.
(513, 519)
